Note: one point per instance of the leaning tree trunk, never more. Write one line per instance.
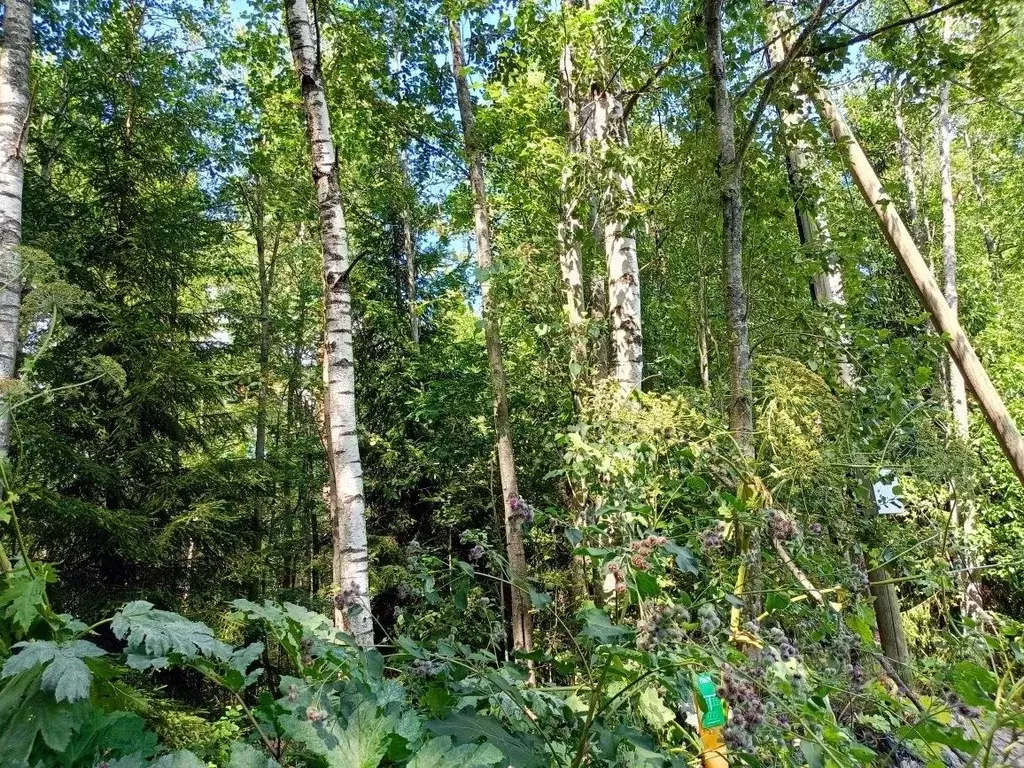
(351, 558)
(961, 509)
(827, 288)
(14, 111)
(730, 172)
(903, 247)
(522, 621)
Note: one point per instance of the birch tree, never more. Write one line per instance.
(610, 136)
(570, 256)
(522, 621)
(962, 509)
(14, 114)
(350, 564)
(827, 289)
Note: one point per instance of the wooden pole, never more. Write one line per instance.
(920, 276)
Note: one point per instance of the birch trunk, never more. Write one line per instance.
(14, 113)
(608, 130)
(961, 510)
(350, 565)
(409, 246)
(827, 288)
(522, 621)
(914, 220)
(979, 194)
(906, 251)
(957, 388)
(570, 229)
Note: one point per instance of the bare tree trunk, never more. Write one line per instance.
(569, 231)
(828, 289)
(14, 113)
(608, 130)
(914, 220)
(889, 620)
(409, 246)
(350, 568)
(522, 621)
(906, 251)
(979, 193)
(730, 171)
(961, 509)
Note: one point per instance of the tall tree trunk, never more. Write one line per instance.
(906, 251)
(703, 365)
(961, 509)
(914, 219)
(570, 229)
(607, 126)
(730, 172)
(409, 246)
(350, 566)
(522, 622)
(979, 194)
(827, 288)
(14, 113)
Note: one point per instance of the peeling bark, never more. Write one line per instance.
(14, 114)
(350, 564)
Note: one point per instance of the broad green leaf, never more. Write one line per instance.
(685, 560)
(246, 756)
(66, 676)
(652, 708)
(597, 626)
(438, 753)
(24, 599)
(813, 754)
(469, 728)
(180, 759)
(155, 633)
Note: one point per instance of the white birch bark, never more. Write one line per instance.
(957, 389)
(14, 113)
(570, 228)
(962, 510)
(627, 346)
(827, 285)
(522, 621)
(350, 569)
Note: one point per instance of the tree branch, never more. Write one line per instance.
(865, 36)
(773, 79)
(636, 94)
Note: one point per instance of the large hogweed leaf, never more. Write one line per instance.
(439, 753)
(154, 635)
(361, 743)
(66, 675)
